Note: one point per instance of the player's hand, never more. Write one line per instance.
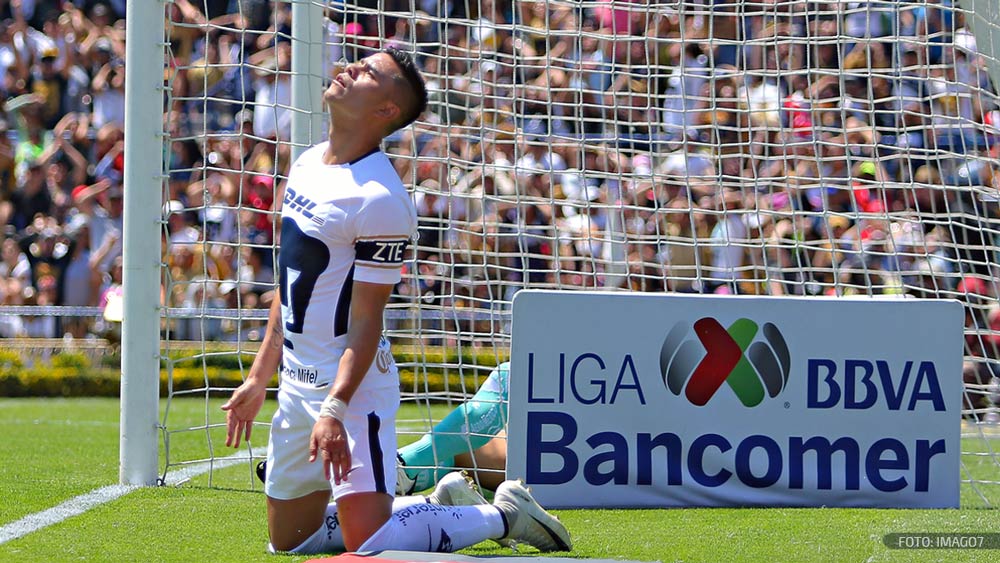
(241, 409)
(329, 442)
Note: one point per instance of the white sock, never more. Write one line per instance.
(434, 528)
(324, 540)
(329, 539)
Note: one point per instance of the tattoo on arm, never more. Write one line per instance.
(278, 336)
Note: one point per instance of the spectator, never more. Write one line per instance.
(684, 93)
(14, 266)
(179, 227)
(106, 224)
(728, 242)
(80, 284)
(213, 82)
(202, 293)
(31, 199)
(41, 326)
(272, 118)
(684, 259)
(50, 85)
(108, 91)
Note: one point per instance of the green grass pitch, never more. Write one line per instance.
(53, 450)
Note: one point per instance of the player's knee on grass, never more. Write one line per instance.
(361, 515)
(291, 523)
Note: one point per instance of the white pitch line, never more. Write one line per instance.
(68, 509)
(79, 505)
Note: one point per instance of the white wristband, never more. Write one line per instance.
(333, 408)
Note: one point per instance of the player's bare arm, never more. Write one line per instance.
(242, 408)
(328, 440)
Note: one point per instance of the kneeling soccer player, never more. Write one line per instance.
(346, 221)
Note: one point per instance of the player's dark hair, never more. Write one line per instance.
(418, 89)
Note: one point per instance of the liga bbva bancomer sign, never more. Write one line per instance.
(621, 399)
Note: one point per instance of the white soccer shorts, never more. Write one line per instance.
(371, 435)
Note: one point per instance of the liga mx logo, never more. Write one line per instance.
(752, 360)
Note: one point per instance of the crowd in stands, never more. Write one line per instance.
(773, 147)
(61, 159)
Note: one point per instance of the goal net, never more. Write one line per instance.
(729, 147)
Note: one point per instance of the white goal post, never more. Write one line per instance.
(139, 432)
(838, 148)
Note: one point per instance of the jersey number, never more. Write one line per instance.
(302, 259)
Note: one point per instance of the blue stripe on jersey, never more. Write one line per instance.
(343, 313)
(301, 260)
(375, 447)
(381, 251)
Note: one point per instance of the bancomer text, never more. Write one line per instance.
(887, 463)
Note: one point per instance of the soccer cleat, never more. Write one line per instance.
(527, 521)
(262, 471)
(456, 489)
(404, 484)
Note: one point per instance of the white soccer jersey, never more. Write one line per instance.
(339, 223)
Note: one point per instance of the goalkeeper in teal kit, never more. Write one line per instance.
(471, 436)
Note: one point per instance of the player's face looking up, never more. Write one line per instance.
(366, 90)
